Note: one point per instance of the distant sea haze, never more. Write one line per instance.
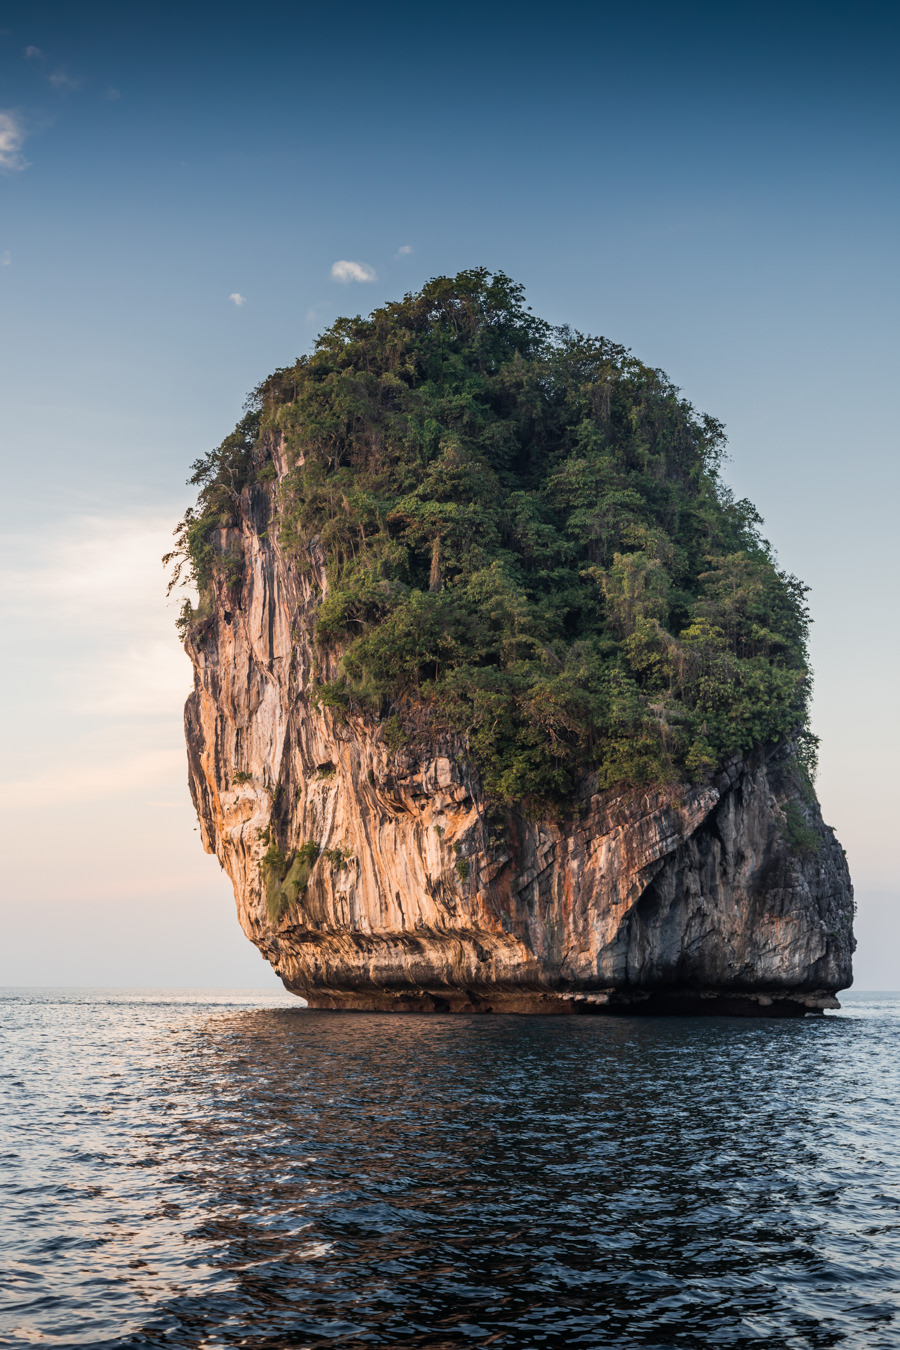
(195, 1168)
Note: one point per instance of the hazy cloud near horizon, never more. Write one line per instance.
(97, 597)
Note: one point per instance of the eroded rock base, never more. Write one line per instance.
(662, 1003)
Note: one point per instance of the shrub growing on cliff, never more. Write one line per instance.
(803, 839)
(221, 476)
(338, 858)
(275, 859)
(527, 541)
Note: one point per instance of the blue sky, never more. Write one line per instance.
(715, 188)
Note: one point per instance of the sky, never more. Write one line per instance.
(714, 187)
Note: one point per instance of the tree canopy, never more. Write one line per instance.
(528, 544)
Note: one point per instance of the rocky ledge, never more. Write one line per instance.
(380, 879)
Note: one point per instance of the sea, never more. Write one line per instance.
(215, 1169)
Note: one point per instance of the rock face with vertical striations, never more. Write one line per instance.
(381, 879)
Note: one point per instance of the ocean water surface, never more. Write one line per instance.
(196, 1169)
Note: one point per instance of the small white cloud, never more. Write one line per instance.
(237, 299)
(404, 250)
(33, 54)
(60, 80)
(352, 271)
(5, 258)
(113, 95)
(12, 135)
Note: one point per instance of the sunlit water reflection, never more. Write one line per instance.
(188, 1170)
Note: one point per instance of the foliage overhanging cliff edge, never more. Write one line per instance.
(528, 544)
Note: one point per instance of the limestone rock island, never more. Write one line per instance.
(500, 697)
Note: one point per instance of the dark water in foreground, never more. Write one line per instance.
(228, 1170)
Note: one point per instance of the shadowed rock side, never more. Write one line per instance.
(379, 880)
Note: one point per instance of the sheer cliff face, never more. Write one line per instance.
(732, 895)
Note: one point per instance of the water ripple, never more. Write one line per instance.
(195, 1170)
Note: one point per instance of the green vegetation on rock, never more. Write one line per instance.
(803, 838)
(528, 545)
(286, 877)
